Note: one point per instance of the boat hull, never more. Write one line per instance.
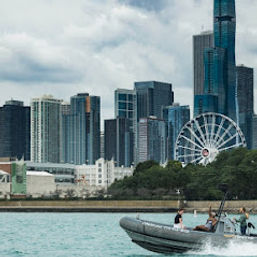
(162, 238)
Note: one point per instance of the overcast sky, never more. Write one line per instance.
(63, 47)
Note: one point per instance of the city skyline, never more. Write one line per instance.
(60, 56)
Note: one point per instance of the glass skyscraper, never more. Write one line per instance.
(79, 131)
(93, 115)
(66, 132)
(125, 104)
(224, 37)
(152, 133)
(118, 141)
(219, 94)
(81, 127)
(245, 101)
(176, 117)
(125, 107)
(200, 43)
(15, 130)
(151, 98)
(213, 97)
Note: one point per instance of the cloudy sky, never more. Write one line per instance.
(62, 47)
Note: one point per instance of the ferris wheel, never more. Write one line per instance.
(205, 136)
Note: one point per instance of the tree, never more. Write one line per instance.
(237, 168)
(142, 166)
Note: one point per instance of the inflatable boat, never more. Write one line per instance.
(166, 239)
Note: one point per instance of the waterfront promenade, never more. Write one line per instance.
(121, 206)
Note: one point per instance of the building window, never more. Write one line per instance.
(130, 106)
(99, 181)
(122, 106)
(122, 97)
(122, 113)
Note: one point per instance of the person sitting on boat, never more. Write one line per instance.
(178, 221)
(211, 222)
(242, 220)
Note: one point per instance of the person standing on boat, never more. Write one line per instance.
(178, 221)
(242, 220)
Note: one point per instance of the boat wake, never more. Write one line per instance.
(234, 249)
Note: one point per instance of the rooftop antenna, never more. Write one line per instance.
(202, 27)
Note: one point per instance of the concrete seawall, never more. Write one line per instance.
(216, 204)
(121, 206)
(230, 206)
(88, 206)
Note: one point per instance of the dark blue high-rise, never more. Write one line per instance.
(219, 64)
(224, 37)
(176, 117)
(15, 130)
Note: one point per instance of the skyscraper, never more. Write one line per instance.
(45, 129)
(110, 144)
(219, 93)
(93, 115)
(254, 132)
(176, 117)
(119, 141)
(200, 43)
(245, 101)
(84, 119)
(213, 97)
(224, 37)
(152, 96)
(66, 135)
(15, 130)
(152, 134)
(125, 104)
(125, 107)
(78, 148)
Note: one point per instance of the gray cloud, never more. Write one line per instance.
(30, 60)
(150, 5)
(63, 47)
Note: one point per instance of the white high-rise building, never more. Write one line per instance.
(45, 129)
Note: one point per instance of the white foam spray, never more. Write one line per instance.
(233, 249)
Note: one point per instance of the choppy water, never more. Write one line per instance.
(88, 234)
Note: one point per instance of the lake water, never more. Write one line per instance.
(90, 235)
